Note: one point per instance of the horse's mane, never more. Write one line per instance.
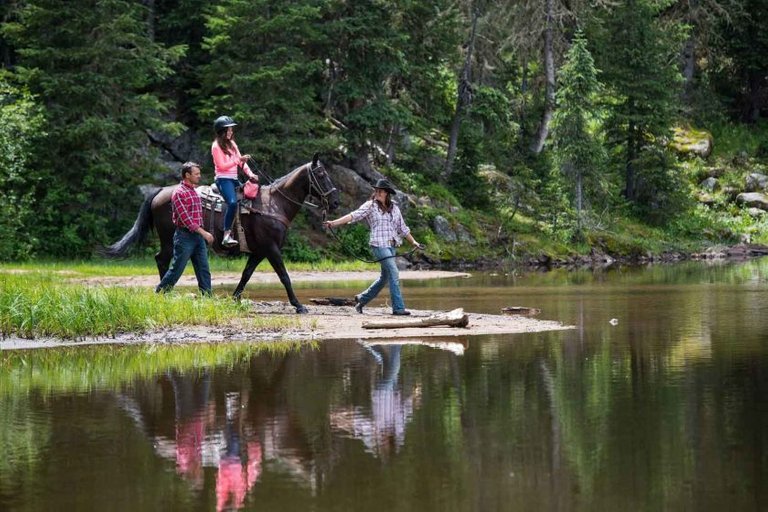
(283, 179)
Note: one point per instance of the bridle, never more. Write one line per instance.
(316, 190)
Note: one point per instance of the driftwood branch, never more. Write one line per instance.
(455, 318)
(333, 301)
(520, 310)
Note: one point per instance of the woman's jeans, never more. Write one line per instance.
(186, 246)
(228, 189)
(389, 275)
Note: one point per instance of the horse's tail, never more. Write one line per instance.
(137, 235)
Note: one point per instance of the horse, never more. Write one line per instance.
(265, 228)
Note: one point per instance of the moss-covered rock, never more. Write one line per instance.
(689, 141)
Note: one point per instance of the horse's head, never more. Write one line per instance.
(321, 186)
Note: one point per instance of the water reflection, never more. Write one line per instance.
(664, 411)
(381, 424)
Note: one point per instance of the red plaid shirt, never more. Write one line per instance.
(187, 208)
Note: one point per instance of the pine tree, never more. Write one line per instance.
(578, 151)
(744, 43)
(267, 71)
(638, 58)
(369, 60)
(20, 124)
(91, 64)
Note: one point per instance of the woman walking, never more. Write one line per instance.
(227, 160)
(387, 232)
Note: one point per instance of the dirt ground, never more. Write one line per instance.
(322, 322)
(232, 278)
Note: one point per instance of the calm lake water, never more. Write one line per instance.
(665, 410)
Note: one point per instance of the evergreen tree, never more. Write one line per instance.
(91, 63)
(578, 151)
(182, 23)
(267, 71)
(744, 66)
(638, 58)
(368, 62)
(20, 123)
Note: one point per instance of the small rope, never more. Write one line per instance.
(341, 243)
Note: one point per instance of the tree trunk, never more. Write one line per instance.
(756, 97)
(549, 103)
(689, 66)
(151, 14)
(464, 98)
(579, 199)
(630, 192)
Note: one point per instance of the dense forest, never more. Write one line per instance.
(513, 127)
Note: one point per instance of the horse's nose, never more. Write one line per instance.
(334, 204)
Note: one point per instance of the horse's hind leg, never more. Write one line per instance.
(276, 259)
(163, 258)
(250, 266)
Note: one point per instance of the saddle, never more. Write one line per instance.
(262, 204)
(213, 201)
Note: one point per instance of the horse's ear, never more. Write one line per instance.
(315, 158)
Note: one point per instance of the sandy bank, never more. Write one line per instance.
(232, 278)
(322, 323)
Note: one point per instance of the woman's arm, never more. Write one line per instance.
(413, 241)
(404, 230)
(243, 163)
(356, 215)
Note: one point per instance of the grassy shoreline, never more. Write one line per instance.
(146, 266)
(39, 303)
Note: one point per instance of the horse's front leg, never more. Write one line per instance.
(276, 259)
(250, 266)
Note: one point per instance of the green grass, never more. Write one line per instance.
(40, 304)
(732, 139)
(146, 266)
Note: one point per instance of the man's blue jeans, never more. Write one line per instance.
(187, 246)
(389, 275)
(228, 189)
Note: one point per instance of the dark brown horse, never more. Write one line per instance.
(265, 230)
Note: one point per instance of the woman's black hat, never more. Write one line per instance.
(385, 185)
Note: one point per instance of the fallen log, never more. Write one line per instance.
(455, 318)
(520, 310)
(333, 301)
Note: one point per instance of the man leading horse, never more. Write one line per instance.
(265, 227)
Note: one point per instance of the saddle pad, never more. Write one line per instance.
(210, 199)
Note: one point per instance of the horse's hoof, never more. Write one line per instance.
(302, 310)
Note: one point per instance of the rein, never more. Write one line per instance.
(341, 243)
(314, 185)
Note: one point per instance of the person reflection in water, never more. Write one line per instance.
(383, 430)
(191, 399)
(391, 409)
(239, 466)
